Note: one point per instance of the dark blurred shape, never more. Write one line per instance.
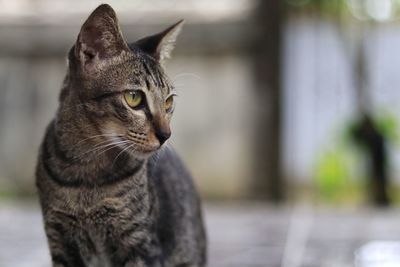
(268, 180)
(373, 141)
(366, 132)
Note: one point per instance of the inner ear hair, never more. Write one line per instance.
(100, 38)
(160, 45)
(89, 54)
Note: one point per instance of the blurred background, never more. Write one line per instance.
(287, 116)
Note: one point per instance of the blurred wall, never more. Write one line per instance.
(210, 69)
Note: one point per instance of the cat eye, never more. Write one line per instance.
(169, 104)
(134, 98)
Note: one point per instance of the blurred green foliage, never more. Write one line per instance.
(340, 170)
(388, 125)
(332, 173)
(360, 9)
(324, 6)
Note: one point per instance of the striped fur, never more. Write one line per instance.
(111, 194)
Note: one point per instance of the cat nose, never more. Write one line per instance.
(163, 135)
(161, 128)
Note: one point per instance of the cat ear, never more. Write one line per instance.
(160, 45)
(100, 37)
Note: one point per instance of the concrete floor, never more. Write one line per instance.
(240, 235)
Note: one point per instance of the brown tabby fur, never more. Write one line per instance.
(111, 193)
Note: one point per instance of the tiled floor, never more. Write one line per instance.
(240, 235)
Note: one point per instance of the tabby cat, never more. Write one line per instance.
(111, 193)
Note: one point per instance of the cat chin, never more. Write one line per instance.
(144, 152)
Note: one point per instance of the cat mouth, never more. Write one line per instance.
(150, 150)
(142, 146)
(147, 142)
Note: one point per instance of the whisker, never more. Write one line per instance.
(94, 136)
(178, 86)
(113, 145)
(115, 159)
(116, 145)
(186, 74)
(99, 147)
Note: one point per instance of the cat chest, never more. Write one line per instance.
(100, 222)
(93, 234)
(100, 240)
(93, 248)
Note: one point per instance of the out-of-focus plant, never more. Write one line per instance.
(339, 171)
(387, 124)
(375, 10)
(332, 174)
(324, 6)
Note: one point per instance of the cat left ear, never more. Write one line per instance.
(100, 38)
(160, 45)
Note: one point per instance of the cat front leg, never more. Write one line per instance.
(141, 263)
(135, 259)
(64, 250)
(136, 250)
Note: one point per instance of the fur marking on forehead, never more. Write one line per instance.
(153, 72)
(118, 59)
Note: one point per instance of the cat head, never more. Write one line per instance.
(121, 87)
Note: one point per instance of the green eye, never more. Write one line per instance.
(169, 104)
(133, 98)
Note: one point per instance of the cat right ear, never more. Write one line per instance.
(160, 45)
(100, 38)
